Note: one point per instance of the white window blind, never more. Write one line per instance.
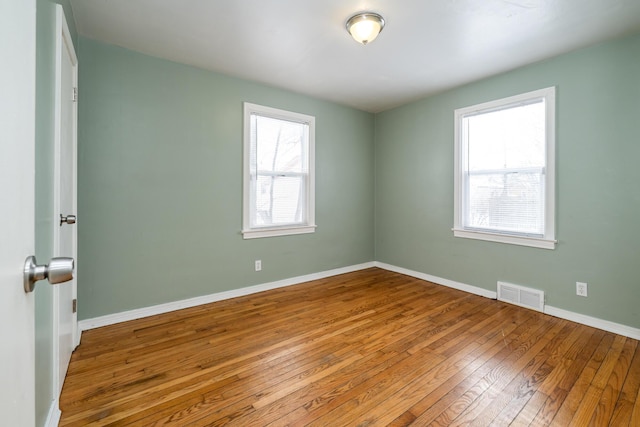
(279, 177)
(504, 156)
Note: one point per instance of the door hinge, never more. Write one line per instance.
(74, 305)
(75, 94)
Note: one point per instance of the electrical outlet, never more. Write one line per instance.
(258, 265)
(581, 289)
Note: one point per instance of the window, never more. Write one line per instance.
(505, 169)
(278, 172)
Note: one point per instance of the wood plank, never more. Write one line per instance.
(557, 387)
(589, 402)
(612, 389)
(371, 347)
(629, 393)
(578, 391)
(476, 398)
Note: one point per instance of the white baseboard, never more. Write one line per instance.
(439, 280)
(583, 319)
(594, 322)
(53, 418)
(124, 316)
(111, 319)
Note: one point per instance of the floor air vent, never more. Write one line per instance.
(519, 295)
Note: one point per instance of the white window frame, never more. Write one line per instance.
(308, 225)
(546, 241)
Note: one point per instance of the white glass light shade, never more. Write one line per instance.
(365, 27)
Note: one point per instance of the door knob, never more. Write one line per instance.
(69, 219)
(57, 271)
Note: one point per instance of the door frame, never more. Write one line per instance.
(63, 41)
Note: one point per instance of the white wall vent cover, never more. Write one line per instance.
(519, 295)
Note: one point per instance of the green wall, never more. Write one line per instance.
(598, 200)
(160, 148)
(44, 214)
(160, 184)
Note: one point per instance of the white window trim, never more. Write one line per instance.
(547, 241)
(309, 226)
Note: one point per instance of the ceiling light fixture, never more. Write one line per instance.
(364, 27)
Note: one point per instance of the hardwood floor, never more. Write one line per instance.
(360, 349)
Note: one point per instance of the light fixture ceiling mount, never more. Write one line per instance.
(364, 27)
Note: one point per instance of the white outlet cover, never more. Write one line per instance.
(581, 289)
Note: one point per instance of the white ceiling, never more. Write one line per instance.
(427, 46)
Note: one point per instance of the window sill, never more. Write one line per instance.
(257, 233)
(534, 242)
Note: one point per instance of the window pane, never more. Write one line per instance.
(505, 170)
(279, 200)
(510, 202)
(278, 184)
(507, 138)
(280, 145)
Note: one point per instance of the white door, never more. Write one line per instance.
(65, 235)
(17, 180)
